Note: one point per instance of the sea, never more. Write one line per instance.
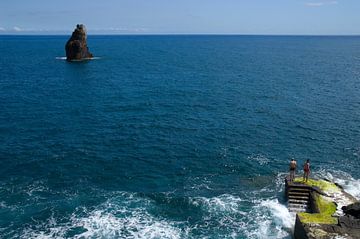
(172, 136)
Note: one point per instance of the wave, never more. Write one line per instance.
(165, 215)
(138, 225)
(257, 214)
(273, 220)
(267, 218)
(132, 216)
(64, 58)
(121, 216)
(345, 180)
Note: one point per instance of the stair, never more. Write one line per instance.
(298, 199)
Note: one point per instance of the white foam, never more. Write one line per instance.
(259, 158)
(273, 220)
(280, 213)
(128, 216)
(280, 181)
(223, 203)
(350, 184)
(339, 237)
(64, 58)
(109, 220)
(35, 187)
(138, 225)
(266, 218)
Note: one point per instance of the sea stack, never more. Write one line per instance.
(76, 47)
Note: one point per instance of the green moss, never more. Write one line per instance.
(326, 208)
(323, 185)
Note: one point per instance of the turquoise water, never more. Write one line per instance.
(171, 136)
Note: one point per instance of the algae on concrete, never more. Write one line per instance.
(323, 185)
(326, 210)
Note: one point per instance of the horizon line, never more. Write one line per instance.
(176, 34)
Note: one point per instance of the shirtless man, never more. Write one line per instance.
(292, 169)
(306, 170)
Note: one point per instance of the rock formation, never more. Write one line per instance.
(76, 47)
(352, 209)
(323, 220)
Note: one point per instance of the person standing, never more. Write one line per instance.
(292, 169)
(306, 170)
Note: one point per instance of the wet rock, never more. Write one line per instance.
(352, 209)
(76, 47)
(349, 222)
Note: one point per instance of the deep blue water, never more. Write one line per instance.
(171, 136)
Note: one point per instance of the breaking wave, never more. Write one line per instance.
(134, 216)
(255, 215)
(350, 184)
(122, 216)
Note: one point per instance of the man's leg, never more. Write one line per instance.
(307, 176)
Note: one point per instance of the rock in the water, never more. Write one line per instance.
(352, 209)
(76, 47)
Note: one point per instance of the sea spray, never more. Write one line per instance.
(345, 180)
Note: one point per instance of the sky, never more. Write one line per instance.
(268, 17)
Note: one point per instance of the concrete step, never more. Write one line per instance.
(292, 193)
(292, 205)
(298, 210)
(296, 201)
(299, 189)
(298, 197)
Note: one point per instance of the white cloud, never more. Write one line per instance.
(17, 29)
(320, 4)
(2, 29)
(120, 30)
(314, 4)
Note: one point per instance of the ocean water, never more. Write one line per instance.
(171, 136)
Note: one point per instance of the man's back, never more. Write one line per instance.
(293, 164)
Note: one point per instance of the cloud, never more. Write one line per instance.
(17, 29)
(108, 30)
(120, 30)
(20, 29)
(314, 4)
(320, 4)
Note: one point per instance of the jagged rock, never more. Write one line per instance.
(349, 222)
(352, 209)
(76, 47)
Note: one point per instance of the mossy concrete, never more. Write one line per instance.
(324, 221)
(326, 210)
(323, 185)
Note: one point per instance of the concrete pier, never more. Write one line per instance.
(315, 203)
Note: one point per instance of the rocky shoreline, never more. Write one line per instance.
(331, 212)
